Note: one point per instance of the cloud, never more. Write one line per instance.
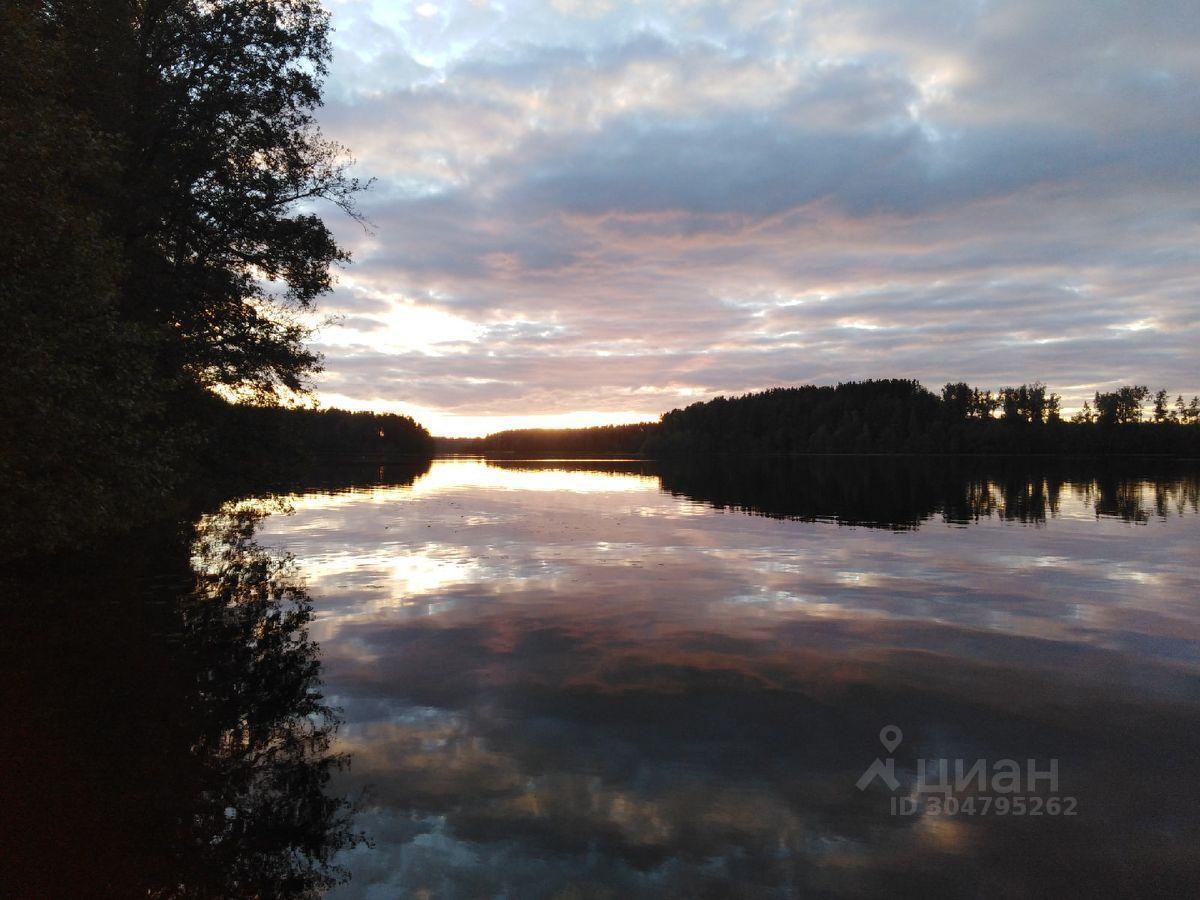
(612, 209)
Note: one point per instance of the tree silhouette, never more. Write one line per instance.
(903, 417)
(1085, 416)
(1162, 409)
(601, 439)
(883, 416)
(164, 175)
(1122, 406)
(211, 109)
(82, 441)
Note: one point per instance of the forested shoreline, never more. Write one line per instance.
(885, 416)
(902, 416)
(605, 439)
(164, 184)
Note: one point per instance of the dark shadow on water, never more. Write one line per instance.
(329, 476)
(905, 492)
(165, 733)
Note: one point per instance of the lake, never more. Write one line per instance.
(575, 678)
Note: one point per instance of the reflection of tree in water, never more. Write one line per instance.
(169, 738)
(903, 492)
(263, 820)
(1012, 497)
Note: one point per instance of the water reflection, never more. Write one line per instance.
(560, 679)
(263, 730)
(885, 491)
(165, 732)
(613, 679)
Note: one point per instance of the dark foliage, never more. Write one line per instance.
(216, 163)
(895, 416)
(83, 434)
(246, 437)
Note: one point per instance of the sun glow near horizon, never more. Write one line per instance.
(443, 423)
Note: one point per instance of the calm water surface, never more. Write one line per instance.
(562, 679)
(615, 679)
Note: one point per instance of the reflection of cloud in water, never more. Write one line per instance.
(408, 571)
(467, 474)
(644, 762)
(547, 685)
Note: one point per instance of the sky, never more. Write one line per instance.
(590, 213)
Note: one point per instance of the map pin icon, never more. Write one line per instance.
(890, 736)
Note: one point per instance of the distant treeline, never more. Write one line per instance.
(245, 435)
(902, 416)
(603, 439)
(884, 416)
(898, 415)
